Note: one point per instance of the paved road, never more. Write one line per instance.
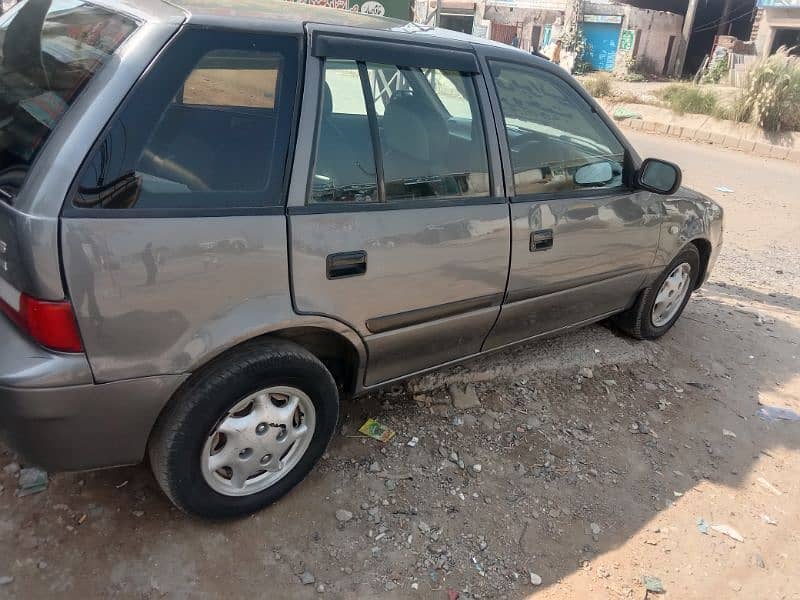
(762, 212)
(759, 185)
(566, 490)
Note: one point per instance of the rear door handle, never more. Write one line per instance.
(541, 240)
(346, 264)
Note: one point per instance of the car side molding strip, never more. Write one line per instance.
(422, 315)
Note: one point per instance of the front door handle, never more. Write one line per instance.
(541, 240)
(346, 264)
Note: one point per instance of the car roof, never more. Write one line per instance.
(261, 12)
(292, 17)
(280, 15)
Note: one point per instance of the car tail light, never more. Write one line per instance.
(52, 324)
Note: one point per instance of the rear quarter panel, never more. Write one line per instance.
(34, 219)
(217, 281)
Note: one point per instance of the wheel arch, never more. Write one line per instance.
(704, 249)
(336, 346)
(341, 355)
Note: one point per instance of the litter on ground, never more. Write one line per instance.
(376, 431)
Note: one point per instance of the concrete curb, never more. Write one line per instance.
(706, 136)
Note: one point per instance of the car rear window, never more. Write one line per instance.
(49, 51)
(207, 128)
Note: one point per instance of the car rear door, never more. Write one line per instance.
(174, 238)
(398, 222)
(582, 239)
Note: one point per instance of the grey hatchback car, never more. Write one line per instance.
(216, 219)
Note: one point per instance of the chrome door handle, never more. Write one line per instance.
(346, 264)
(541, 240)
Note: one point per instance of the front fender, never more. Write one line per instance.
(690, 216)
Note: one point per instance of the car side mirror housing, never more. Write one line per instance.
(598, 173)
(658, 176)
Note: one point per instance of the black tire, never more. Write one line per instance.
(178, 438)
(637, 320)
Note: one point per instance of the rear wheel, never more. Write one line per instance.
(661, 305)
(245, 431)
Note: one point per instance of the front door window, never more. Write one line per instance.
(557, 142)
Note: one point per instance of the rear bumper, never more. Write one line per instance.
(56, 417)
(85, 426)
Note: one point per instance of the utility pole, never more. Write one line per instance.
(688, 25)
(573, 18)
(724, 26)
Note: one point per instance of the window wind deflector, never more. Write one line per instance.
(411, 54)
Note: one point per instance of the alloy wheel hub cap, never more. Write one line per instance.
(258, 441)
(671, 295)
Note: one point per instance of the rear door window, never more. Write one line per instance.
(49, 51)
(345, 167)
(428, 151)
(207, 128)
(426, 125)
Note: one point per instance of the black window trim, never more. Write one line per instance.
(416, 53)
(431, 202)
(505, 149)
(70, 211)
(382, 204)
(374, 131)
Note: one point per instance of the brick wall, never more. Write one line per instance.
(756, 24)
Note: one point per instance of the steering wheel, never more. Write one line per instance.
(154, 164)
(11, 180)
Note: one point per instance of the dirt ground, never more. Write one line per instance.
(591, 462)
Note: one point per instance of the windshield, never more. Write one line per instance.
(49, 51)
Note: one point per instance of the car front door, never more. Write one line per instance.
(397, 226)
(582, 239)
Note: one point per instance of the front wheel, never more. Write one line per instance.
(243, 432)
(660, 305)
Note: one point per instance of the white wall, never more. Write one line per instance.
(774, 18)
(523, 13)
(654, 30)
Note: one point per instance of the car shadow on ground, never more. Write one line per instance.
(571, 469)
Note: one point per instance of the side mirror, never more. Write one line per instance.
(658, 176)
(598, 173)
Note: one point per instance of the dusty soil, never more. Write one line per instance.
(589, 462)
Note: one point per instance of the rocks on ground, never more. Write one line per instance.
(464, 396)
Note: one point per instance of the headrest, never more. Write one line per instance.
(327, 99)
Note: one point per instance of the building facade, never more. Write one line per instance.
(777, 23)
(618, 37)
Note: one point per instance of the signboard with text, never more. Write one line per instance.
(626, 39)
(397, 9)
(602, 18)
(778, 4)
(480, 30)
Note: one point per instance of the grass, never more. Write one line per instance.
(629, 98)
(771, 97)
(683, 98)
(599, 86)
